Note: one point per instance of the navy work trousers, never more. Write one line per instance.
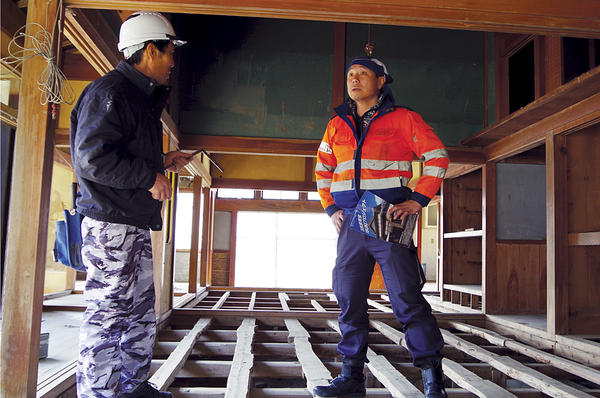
(356, 256)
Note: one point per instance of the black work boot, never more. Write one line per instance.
(433, 381)
(146, 390)
(349, 384)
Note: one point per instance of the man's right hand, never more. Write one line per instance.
(336, 219)
(161, 190)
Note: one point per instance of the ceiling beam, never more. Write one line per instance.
(579, 18)
(291, 147)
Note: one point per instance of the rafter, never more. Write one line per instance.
(578, 18)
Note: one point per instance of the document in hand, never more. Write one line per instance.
(370, 217)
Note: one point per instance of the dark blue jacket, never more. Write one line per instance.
(116, 147)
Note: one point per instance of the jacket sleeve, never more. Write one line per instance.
(429, 148)
(99, 155)
(326, 163)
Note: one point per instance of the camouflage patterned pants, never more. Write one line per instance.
(117, 334)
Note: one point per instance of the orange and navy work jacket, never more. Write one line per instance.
(380, 160)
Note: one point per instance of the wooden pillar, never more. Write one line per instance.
(194, 246)
(557, 316)
(445, 244)
(489, 252)
(205, 237)
(339, 62)
(553, 62)
(232, 247)
(211, 234)
(168, 259)
(27, 232)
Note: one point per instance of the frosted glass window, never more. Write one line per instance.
(231, 193)
(313, 196)
(288, 250)
(287, 195)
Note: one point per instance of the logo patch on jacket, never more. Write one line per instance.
(324, 147)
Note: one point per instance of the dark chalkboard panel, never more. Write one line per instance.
(437, 72)
(521, 201)
(256, 77)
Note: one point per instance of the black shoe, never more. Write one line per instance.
(342, 386)
(433, 382)
(146, 390)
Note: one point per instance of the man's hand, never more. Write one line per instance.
(336, 219)
(176, 160)
(161, 190)
(404, 209)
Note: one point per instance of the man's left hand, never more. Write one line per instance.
(176, 160)
(404, 209)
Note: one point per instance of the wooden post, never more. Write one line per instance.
(232, 247)
(26, 243)
(489, 276)
(557, 311)
(193, 270)
(205, 237)
(211, 232)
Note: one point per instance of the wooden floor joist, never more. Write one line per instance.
(165, 375)
(515, 369)
(238, 382)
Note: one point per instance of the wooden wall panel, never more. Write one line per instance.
(521, 278)
(583, 165)
(584, 289)
(465, 211)
(465, 261)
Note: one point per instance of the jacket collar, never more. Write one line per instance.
(146, 84)
(387, 104)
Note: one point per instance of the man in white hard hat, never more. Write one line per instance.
(116, 148)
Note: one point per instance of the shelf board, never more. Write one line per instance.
(469, 289)
(562, 97)
(464, 234)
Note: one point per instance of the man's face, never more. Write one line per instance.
(162, 64)
(362, 83)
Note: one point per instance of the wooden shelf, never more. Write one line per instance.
(561, 98)
(469, 289)
(464, 234)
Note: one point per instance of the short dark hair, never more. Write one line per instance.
(136, 57)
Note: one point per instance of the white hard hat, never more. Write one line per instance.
(144, 26)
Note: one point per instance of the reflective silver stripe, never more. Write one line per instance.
(373, 164)
(323, 183)
(436, 153)
(344, 166)
(434, 171)
(382, 183)
(323, 167)
(338, 186)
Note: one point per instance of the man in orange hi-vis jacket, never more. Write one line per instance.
(369, 146)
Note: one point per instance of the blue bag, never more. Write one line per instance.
(67, 246)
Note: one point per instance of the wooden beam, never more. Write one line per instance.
(250, 145)
(303, 186)
(195, 238)
(8, 115)
(515, 369)
(26, 242)
(238, 381)
(221, 301)
(575, 368)
(579, 19)
(584, 239)
(232, 246)
(557, 264)
(569, 94)
(579, 115)
(489, 272)
(165, 375)
(309, 206)
(473, 383)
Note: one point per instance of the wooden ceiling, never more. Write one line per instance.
(577, 18)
